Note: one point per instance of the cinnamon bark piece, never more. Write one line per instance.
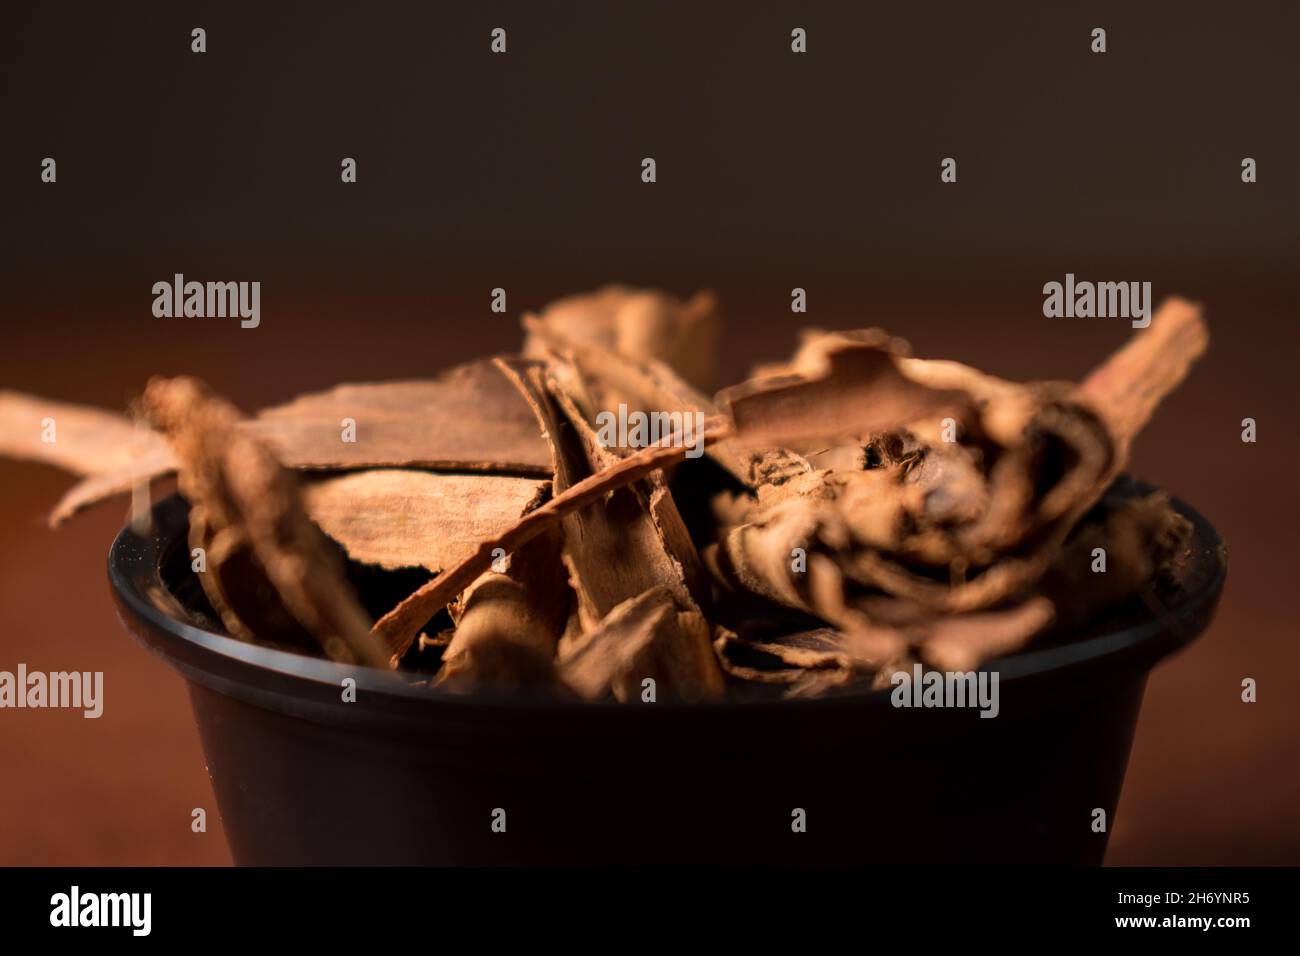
(147, 469)
(647, 637)
(611, 379)
(630, 544)
(852, 384)
(399, 518)
(635, 539)
(642, 325)
(105, 446)
(962, 642)
(250, 514)
(76, 438)
(465, 420)
(793, 654)
(1126, 389)
(1144, 541)
(399, 626)
(508, 623)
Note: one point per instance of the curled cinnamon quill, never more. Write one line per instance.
(1032, 459)
(269, 565)
(946, 526)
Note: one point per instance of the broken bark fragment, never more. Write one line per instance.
(250, 514)
(640, 324)
(1142, 541)
(465, 420)
(109, 448)
(148, 468)
(855, 386)
(621, 548)
(76, 438)
(962, 642)
(399, 626)
(795, 653)
(630, 544)
(240, 591)
(508, 623)
(397, 518)
(611, 379)
(647, 637)
(1125, 390)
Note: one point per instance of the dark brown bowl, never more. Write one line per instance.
(411, 775)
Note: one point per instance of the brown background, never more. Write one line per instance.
(522, 171)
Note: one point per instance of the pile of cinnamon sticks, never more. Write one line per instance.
(858, 510)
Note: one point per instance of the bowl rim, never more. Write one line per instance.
(134, 569)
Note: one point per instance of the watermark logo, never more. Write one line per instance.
(624, 429)
(75, 908)
(207, 300)
(923, 688)
(73, 690)
(1084, 300)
